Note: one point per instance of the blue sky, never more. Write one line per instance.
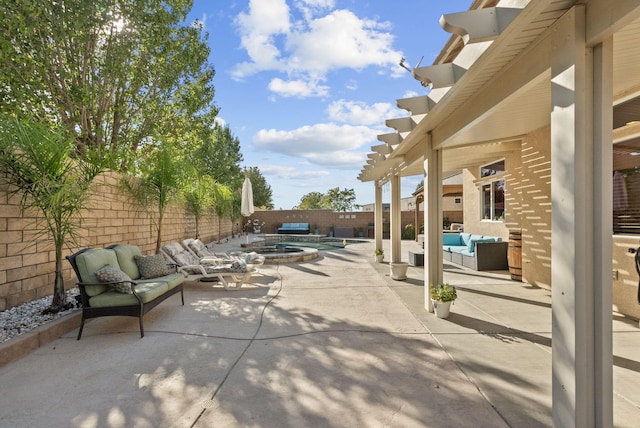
(306, 85)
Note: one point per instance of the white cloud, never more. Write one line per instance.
(220, 121)
(338, 160)
(411, 94)
(340, 40)
(307, 43)
(258, 30)
(360, 113)
(265, 18)
(318, 4)
(326, 144)
(298, 88)
(352, 85)
(291, 173)
(310, 7)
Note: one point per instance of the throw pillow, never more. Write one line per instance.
(250, 257)
(238, 266)
(151, 266)
(109, 273)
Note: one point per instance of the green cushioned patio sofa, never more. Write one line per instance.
(102, 298)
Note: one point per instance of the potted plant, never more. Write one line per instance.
(379, 253)
(442, 296)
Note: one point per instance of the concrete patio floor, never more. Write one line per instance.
(333, 342)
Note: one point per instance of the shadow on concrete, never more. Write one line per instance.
(305, 269)
(498, 331)
(503, 296)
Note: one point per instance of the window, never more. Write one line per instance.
(626, 188)
(626, 170)
(492, 191)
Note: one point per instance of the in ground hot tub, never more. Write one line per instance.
(275, 254)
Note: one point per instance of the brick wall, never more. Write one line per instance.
(27, 270)
(324, 220)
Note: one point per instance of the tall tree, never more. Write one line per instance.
(38, 163)
(220, 157)
(335, 199)
(262, 193)
(340, 200)
(113, 73)
(312, 201)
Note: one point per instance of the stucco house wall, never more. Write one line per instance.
(534, 191)
(528, 204)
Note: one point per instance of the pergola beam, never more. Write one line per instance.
(479, 25)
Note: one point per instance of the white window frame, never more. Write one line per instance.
(491, 181)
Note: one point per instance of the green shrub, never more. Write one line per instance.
(444, 293)
(409, 232)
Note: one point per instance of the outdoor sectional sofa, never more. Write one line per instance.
(294, 228)
(475, 251)
(120, 281)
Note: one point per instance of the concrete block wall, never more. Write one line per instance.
(27, 260)
(324, 220)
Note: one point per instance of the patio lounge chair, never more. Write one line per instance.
(206, 255)
(231, 275)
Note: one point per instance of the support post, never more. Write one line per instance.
(603, 227)
(433, 274)
(377, 215)
(396, 220)
(581, 160)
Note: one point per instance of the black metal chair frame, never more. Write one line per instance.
(138, 311)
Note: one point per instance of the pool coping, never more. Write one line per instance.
(295, 257)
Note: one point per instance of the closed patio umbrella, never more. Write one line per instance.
(246, 208)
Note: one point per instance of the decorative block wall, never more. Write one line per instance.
(27, 261)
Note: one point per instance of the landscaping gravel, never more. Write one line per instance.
(24, 318)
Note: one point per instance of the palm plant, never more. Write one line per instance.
(161, 182)
(199, 198)
(39, 165)
(223, 203)
(236, 207)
